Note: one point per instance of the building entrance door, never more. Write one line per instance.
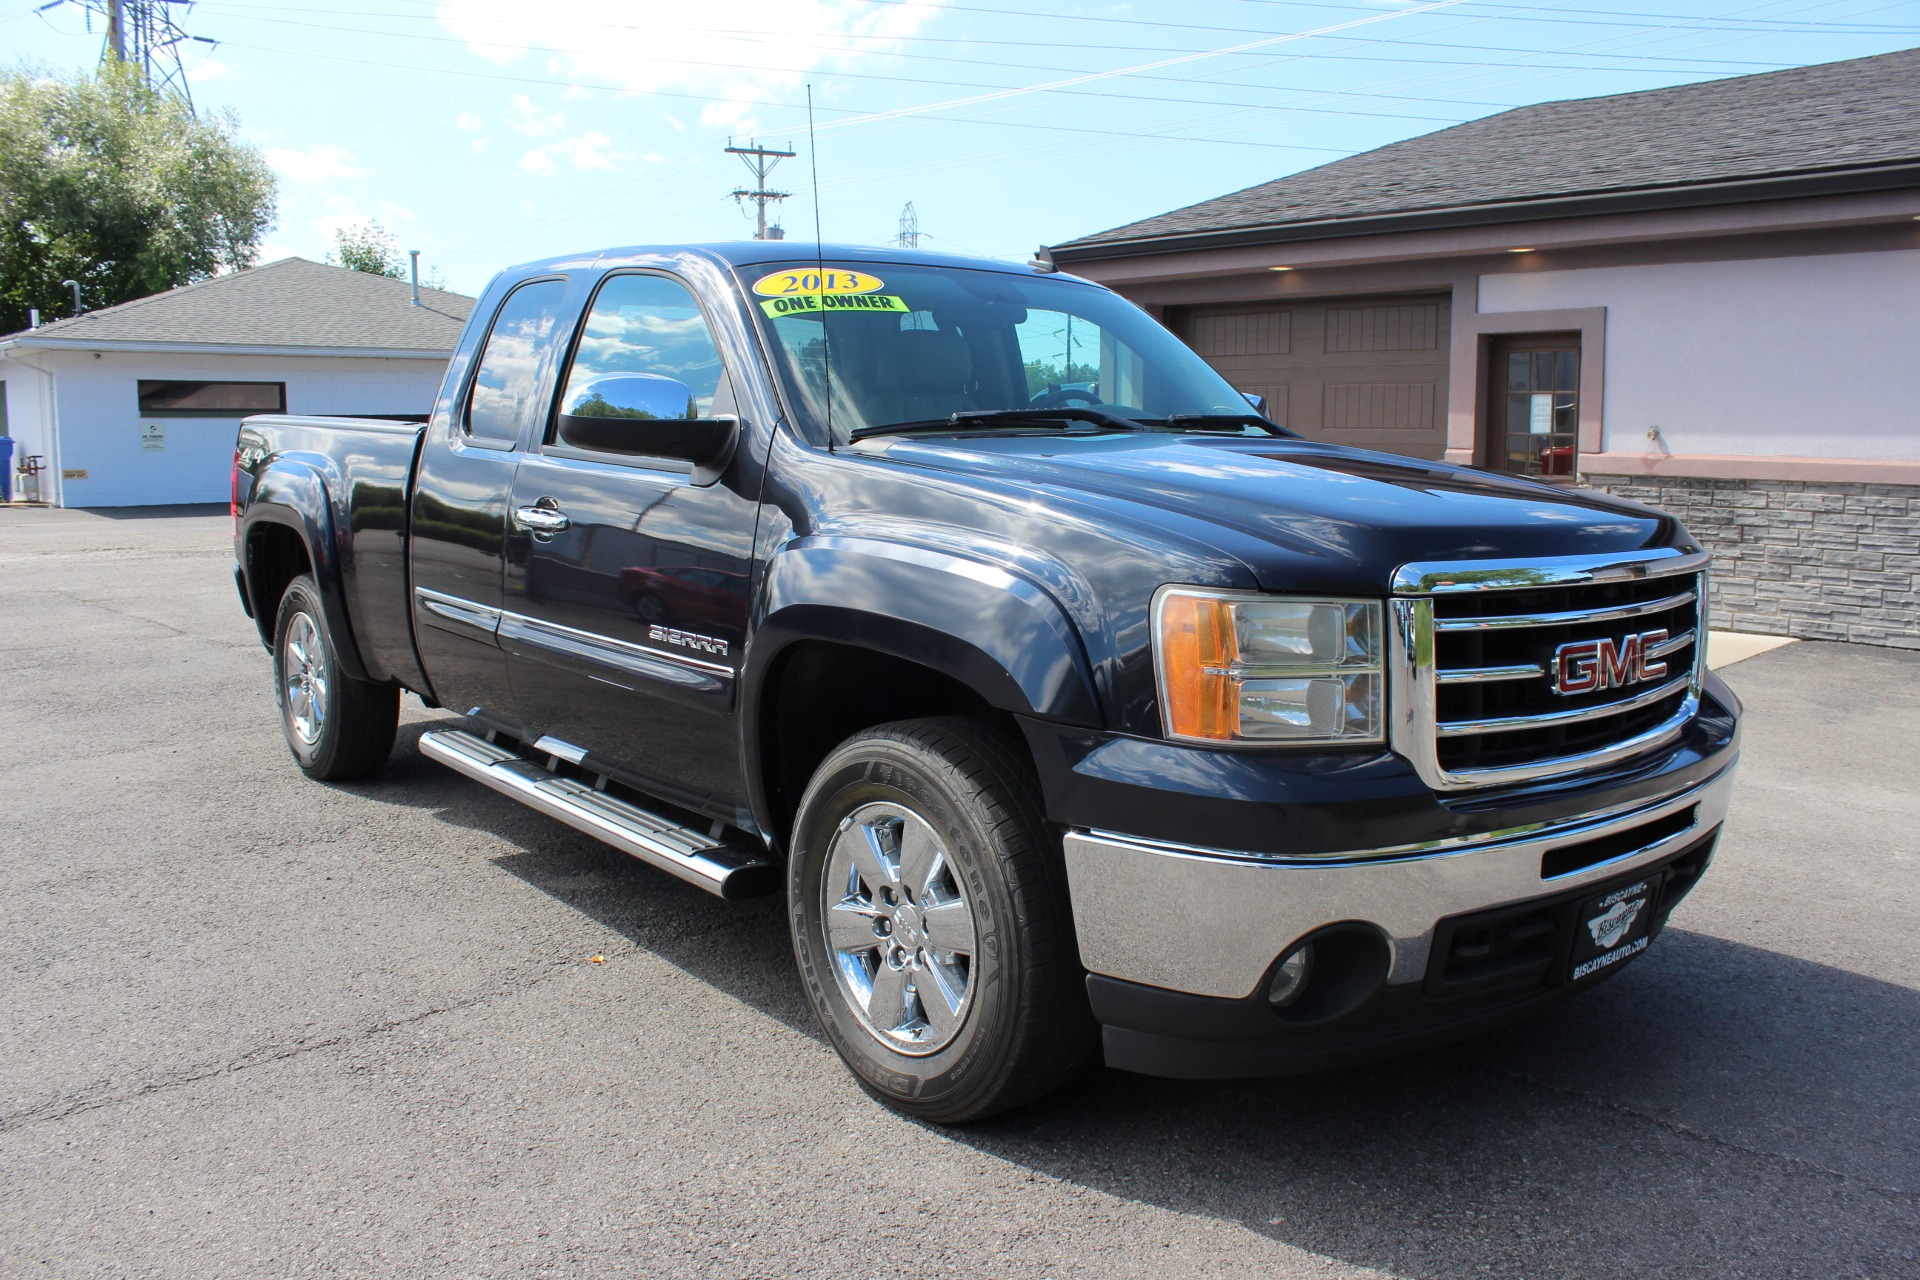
(1533, 414)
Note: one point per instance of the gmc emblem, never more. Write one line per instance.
(1590, 666)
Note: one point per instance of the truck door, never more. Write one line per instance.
(629, 578)
(459, 524)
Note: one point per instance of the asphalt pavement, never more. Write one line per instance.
(255, 1026)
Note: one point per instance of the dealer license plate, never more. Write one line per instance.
(1613, 928)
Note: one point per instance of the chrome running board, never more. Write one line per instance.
(657, 841)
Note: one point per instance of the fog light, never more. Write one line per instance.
(1290, 978)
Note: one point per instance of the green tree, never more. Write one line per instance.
(106, 181)
(368, 247)
(1042, 374)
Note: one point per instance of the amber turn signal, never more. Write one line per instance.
(1196, 637)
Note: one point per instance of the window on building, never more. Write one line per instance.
(210, 399)
(1535, 410)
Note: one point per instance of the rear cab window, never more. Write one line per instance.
(506, 383)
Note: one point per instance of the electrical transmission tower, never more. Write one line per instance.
(144, 33)
(760, 161)
(909, 237)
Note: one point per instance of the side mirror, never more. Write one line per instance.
(646, 415)
(1259, 403)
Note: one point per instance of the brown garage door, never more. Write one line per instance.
(1370, 371)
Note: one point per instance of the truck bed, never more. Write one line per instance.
(351, 477)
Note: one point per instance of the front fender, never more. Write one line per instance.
(294, 495)
(997, 632)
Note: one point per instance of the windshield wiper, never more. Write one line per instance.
(1221, 421)
(971, 418)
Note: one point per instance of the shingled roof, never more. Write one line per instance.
(287, 305)
(1851, 125)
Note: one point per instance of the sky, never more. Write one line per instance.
(490, 132)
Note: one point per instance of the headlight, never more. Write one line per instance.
(1268, 670)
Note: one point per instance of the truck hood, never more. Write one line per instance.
(1298, 513)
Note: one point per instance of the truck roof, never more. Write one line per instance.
(745, 253)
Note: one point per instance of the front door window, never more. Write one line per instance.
(1536, 424)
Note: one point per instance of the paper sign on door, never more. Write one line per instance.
(1540, 415)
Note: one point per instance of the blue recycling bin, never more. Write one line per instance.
(6, 468)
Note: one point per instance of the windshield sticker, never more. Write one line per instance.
(806, 303)
(804, 280)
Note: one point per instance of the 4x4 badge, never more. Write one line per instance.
(1589, 666)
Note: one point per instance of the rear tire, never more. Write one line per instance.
(336, 726)
(928, 903)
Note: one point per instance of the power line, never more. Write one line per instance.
(708, 97)
(802, 37)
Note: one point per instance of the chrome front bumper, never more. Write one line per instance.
(1211, 922)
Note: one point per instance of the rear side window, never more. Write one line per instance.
(507, 382)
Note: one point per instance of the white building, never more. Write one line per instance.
(137, 405)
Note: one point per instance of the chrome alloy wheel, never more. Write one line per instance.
(304, 673)
(900, 929)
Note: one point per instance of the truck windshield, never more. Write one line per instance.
(918, 344)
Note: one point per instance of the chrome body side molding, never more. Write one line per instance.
(466, 616)
(681, 670)
(618, 657)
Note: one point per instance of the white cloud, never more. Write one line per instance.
(532, 119)
(323, 163)
(327, 225)
(588, 151)
(468, 122)
(479, 145)
(746, 53)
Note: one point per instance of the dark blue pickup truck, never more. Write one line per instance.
(1076, 707)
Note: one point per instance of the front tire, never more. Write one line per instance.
(336, 726)
(930, 920)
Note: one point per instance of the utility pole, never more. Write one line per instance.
(909, 237)
(760, 162)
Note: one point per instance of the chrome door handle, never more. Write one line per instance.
(541, 519)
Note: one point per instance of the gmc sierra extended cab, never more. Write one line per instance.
(1076, 707)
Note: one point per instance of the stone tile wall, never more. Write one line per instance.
(1800, 558)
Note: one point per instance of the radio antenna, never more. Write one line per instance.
(820, 265)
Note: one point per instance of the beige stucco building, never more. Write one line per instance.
(1706, 297)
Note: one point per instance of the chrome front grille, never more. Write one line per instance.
(1474, 647)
